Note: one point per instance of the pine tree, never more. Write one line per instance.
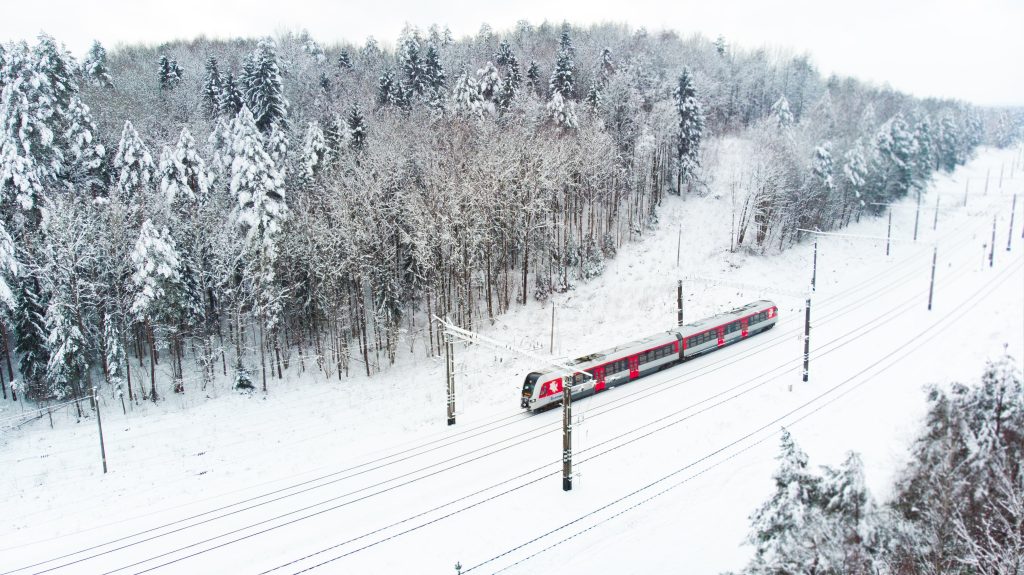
(30, 331)
(86, 174)
(691, 130)
(213, 86)
(334, 135)
(31, 156)
(594, 97)
(433, 69)
(262, 211)
(533, 76)
(229, 102)
(264, 92)
(466, 96)
(489, 83)
(314, 154)
(782, 114)
(184, 182)
(219, 146)
(344, 60)
(356, 128)
(413, 67)
(388, 90)
(565, 42)
(606, 68)
(133, 164)
(563, 77)
(94, 67)
(503, 54)
(780, 528)
(169, 74)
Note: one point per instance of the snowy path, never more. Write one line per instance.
(393, 466)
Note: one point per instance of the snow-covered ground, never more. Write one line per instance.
(366, 476)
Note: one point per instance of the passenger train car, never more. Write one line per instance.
(623, 363)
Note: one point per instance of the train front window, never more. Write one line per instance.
(529, 383)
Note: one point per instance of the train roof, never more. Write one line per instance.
(719, 319)
(615, 352)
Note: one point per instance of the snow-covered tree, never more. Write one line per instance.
(388, 89)
(257, 185)
(691, 130)
(229, 102)
(783, 526)
(782, 114)
(264, 92)
(86, 171)
(212, 88)
(94, 67)
(344, 60)
(466, 96)
(489, 84)
(184, 181)
(356, 128)
(533, 76)
(434, 70)
(133, 164)
(156, 282)
(314, 154)
(562, 112)
(413, 66)
(168, 74)
(563, 77)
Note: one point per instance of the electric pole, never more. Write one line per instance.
(814, 266)
(992, 252)
(99, 423)
(449, 356)
(807, 336)
(931, 287)
(888, 234)
(679, 301)
(1013, 211)
(567, 433)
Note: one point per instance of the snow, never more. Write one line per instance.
(315, 463)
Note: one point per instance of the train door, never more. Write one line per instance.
(599, 377)
(744, 327)
(721, 336)
(634, 367)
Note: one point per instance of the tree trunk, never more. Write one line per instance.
(152, 360)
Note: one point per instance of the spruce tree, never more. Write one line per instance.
(230, 102)
(169, 74)
(466, 96)
(594, 97)
(184, 181)
(563, 77)
(356, 128)
(133, 165)
(388, 90)
(212, 88)
(564, 41)
(489, 83)
(691, 130)
(30, 330)
(264, 92)
(413, 67)
(504, 53)
(533, 76)
(314, 154)
(87, 173)
(344, 60)
(434, 71)
(334, 135)
(94, 67)
(782, 113)
(606, 67)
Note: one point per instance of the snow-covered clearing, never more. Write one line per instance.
(365, 473)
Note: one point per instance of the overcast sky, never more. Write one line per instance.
(967, 49)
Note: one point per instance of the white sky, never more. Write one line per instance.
(967, 49)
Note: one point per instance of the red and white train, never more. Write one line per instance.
(623, 363)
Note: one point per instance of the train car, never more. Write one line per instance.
(621, 364)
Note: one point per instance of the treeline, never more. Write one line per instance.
(252, 206)
(957, 507)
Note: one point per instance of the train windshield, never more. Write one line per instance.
(531, 381)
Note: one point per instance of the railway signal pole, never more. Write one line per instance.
(814, 266)
(99, 423)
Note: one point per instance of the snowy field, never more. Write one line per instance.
(364, 476)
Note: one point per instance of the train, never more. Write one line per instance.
(596, 372)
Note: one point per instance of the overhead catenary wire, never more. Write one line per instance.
(723, 359)
(924, 337)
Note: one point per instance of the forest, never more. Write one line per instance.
(210, 210)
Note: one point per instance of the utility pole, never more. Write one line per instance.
(449, 357)
(931, 287)
(567, 433)
(1013, 211)
(551, 346)
(679, 301)
(935, 225)
(987, 174)
(888, 234)
(99, 423)
(967, 185)
(917, 214)
(807, 336)
(814, 266)
(1001, 168)
(992, 251)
